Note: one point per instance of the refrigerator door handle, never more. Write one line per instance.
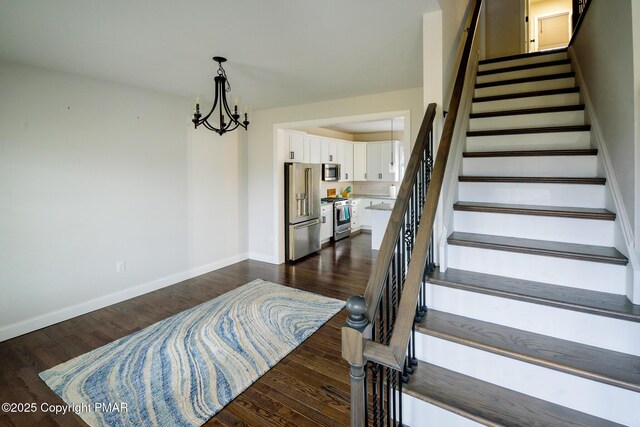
(308, 185)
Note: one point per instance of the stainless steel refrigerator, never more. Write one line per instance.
(302, 209)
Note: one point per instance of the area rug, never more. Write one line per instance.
(182, 370)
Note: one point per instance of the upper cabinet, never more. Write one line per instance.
(328, 150)
(382, 161)
(347, 161)
(315, 149)
(389, 161)
(359, 161)
(296, 146)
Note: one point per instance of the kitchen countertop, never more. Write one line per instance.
(371, 196)
(380, 207)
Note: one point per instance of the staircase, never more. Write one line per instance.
(529, 324)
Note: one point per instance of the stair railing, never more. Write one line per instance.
(378, 339)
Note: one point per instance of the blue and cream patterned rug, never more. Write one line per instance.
(182, 370)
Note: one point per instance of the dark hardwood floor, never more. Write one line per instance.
(309, 387)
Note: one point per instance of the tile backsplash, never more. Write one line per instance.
(338, 185)
(381, 188)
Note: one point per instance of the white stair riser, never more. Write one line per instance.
(523, 61)
(567, 324)
(568, 195)
(595, 276)
(561, 99)
(531, 141)
(568, 230)
(529, 72)
(550, 166)
(417, 413)
(560, 83)
(564, 118)
(571, 391)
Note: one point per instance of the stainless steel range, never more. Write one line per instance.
(341, 217)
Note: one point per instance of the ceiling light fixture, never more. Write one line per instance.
(220, 101)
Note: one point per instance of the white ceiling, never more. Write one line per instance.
(281, 52)
(370, 126)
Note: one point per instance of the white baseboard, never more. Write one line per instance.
(264, 258)
(16, 329)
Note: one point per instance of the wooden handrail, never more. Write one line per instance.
(375, 285)
(406, 311)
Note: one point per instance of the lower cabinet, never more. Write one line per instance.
(326, 227)
(356, 214)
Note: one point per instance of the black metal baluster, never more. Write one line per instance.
(400, 423)
(388, 390)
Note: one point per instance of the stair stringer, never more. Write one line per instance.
(624, 238)
(449, 193)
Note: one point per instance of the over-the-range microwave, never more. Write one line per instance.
(330, 172)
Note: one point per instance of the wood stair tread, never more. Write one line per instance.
(566, 297)
(602, 254)
(547, 92)
(530, 130)
(538, 210)
(526, 80)
(524, 67)
(524, 153)
(533, 179)
(490, 404)
(521, 55)
(594, 363)
(527, 111)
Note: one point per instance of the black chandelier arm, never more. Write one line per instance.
(215, 101)
(208, 126)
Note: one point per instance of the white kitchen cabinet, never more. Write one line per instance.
(374, 171)
(355, 214)
(380, 155)
(359, 162)
(347, 161)
(296, 142)
(328, 150)
(389, 161)
(314, 144)
(326, 226)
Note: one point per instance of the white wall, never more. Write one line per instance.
(636, 77)
(92, 173)
(503, 29)
(635, 6)
(265, 178)
(603, 47)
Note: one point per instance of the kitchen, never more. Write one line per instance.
(340, 180)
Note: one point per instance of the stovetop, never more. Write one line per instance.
(334, 199)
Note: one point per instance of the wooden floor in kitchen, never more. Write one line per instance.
(309, 387)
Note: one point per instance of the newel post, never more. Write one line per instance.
(353, 338)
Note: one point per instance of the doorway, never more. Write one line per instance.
(553, 31)
(547, 24)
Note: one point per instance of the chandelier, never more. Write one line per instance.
(228, 120)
